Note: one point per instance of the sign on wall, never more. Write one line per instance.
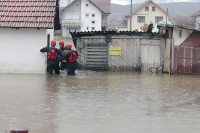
(115, 51)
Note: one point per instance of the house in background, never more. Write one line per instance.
(146, 13)
(24, 29)
(196, 20)
(85, 15)
(117, 25)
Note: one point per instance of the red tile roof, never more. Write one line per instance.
(27, 13)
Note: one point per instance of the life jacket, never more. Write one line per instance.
(73, 57)
(51, 55)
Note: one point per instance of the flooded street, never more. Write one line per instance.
(100, 102)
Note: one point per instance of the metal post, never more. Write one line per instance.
(131, 16)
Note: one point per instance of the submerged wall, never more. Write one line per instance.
(124, 52)
(20, 50)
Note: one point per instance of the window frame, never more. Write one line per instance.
(87, 15)
(147, 8)
(156, 19)
(141, 19)
(153, 9)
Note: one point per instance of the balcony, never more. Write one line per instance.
(71, 20)
(71, 23)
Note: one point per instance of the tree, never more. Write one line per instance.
(183, 20)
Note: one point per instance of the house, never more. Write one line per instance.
(186, 51)
(25, 27)
(117, 25)
(196, 20)
(84, 15)
(146, 13)
(182, 50)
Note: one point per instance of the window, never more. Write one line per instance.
(86, 5)
(141, 19)
(158, 19)
(153, 9)
(93, 28)
(87, 28)
(86, 15)
(146, 8)
(76, 4)
(93, 22)
(93, 15)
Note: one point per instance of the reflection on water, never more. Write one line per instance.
(100, 102)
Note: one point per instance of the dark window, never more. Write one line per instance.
(86, 4)
(153, 9)
(76, 4)
(146, 8)
(93, 28)
(93, 22)
(86, 15)
(158, 19)
(93, 15)
(141, 19)
(87, 28)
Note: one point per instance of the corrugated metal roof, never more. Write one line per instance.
(27, 13)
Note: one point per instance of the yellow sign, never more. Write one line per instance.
(115, 50)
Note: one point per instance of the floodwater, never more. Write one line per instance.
(100, 102)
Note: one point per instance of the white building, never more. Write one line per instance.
(196, 20)
(146, 13)
(24, 29)
(84, 15)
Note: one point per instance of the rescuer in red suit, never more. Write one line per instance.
(71, 58)
(52, 57)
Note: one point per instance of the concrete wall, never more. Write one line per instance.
(20, 50)
(87, 21)
(149, 16)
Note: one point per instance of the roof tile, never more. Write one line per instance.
(27, 13)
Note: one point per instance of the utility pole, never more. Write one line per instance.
(131, 16)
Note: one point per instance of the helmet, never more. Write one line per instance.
(61, 43)
(69, 45)
(53, 42)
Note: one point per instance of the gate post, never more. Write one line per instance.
(175, 68)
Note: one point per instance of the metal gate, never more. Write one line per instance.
(97, 56)
(189, 60)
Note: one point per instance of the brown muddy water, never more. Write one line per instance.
(100, 102)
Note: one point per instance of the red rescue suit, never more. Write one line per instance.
(51, 55)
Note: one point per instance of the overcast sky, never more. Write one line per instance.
(124, 2)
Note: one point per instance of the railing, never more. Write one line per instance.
(71, 22)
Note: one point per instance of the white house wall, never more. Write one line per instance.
(178, 40)
(20, 50)
(87, 21)
(149, 16)
(74, 8)
(51, 33)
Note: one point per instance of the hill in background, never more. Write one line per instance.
(175, 9)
